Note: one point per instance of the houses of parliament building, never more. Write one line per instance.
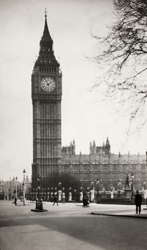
(49, 157)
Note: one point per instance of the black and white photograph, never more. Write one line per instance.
(73, 124)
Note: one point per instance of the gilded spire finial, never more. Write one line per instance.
(45, 13)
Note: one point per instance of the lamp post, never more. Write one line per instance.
(16, 188)
(10, 194)
(81, 193)
(42, 194)
(63, 195)
(87, 191)
(119, 186)
(56, 192)
(59, 192)
(132, 177)
(45, 190)
(97, 183)
(35, 192)
(38, 185)
(39, 202)
(92, 192)
(48, 196)
(52, 193)
(75, 195)
(24, 172)
(70, 194)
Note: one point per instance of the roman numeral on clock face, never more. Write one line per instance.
(48, 84)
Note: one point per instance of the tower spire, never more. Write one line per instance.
(45, 14)
(46, 34)
(46, 53)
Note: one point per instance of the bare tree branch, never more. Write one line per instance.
(124, 53)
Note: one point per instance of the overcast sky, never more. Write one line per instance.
(84, 117)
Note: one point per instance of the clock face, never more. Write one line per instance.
(48, 84)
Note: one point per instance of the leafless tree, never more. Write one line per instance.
(123, 55)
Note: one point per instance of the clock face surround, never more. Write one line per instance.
(48, 84)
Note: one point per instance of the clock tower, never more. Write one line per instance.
(46, 100)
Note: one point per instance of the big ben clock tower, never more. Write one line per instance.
(46, 100)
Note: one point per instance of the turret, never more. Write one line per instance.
(107, 147)
(90, 149)
(70, 147)
(94, 148)
(74, 147)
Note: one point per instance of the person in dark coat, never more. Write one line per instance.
(15, 201)
(138, 201)
(55, 200)
(85, 202)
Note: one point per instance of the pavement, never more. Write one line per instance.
(70, 227)
(118, 210)
(95, 209)
(123, 213)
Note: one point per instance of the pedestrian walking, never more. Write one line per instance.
(85, 202)
(55, 200)
(15, 201)
(138, 201)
